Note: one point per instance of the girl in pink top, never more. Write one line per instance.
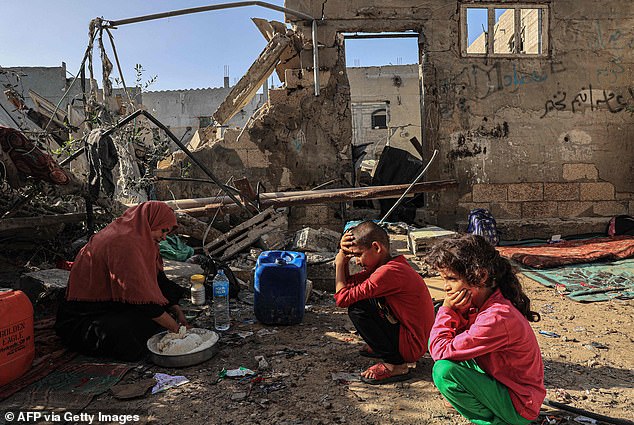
(488, 364)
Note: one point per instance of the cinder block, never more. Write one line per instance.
(568, 209)
(506, 210)
(316, 240)
(610, 208)
(574, 172)
(561, 191)
(541, 209)
(277, 96)
(602, 191)
(624, 196)
(521, 192)
(489, 193)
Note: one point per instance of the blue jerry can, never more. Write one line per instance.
(280, 286)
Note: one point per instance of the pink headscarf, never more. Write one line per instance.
(121, 262)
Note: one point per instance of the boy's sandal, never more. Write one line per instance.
(382, 375)
(366, 351)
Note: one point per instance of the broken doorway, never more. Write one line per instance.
(385, 89)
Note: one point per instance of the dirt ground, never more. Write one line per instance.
(590, 366)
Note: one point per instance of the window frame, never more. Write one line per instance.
(517, 7)
(379, 112)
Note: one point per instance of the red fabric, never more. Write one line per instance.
(407, 296)
(572, 252)
(29, 159)
(121, 262)
(503, 344)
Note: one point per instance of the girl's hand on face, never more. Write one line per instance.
(459, 301)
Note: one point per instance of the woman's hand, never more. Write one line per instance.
(459, 301)
(179, 316)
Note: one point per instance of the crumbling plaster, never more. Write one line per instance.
(505, 121)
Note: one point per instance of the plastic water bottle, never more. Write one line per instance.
(197, 289)
(221, 301)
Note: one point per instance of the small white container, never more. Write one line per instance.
(197, 289)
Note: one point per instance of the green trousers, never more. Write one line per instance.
(474, 394)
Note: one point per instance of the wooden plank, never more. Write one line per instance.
(227, 237)
(40, 221)
(253, 236)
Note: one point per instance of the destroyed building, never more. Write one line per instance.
(538, 135)
(529, 127)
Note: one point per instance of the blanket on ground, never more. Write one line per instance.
(571, 252)
(49, 355)
(589, 282)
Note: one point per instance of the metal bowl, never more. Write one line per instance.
(205, 352)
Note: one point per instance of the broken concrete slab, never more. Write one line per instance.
(250, 83)
(316, 240)
(269, 28)
(320, 269)
(44, 285)
(419, 240)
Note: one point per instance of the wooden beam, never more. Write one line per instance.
(329, 196)
(40, 221)
(185, 204)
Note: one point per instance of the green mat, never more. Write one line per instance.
(589, 282)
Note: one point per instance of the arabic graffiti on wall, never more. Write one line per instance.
(595, 99)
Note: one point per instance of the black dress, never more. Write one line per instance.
(113, 329)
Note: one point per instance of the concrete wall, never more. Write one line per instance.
(49, 82)
(394, 86)
(528, 137)
(181, 109)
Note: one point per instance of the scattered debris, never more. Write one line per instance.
(165, 382)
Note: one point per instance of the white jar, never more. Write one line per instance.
(197, 289)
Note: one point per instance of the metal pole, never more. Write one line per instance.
(189, 11)
(315, 58)
(409, 188)
(113, 24)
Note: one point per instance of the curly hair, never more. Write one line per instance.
(472, 257)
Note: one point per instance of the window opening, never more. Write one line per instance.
(379, 119)
(477, 29)
(516, 30)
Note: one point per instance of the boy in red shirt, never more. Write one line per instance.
(488, 364)
(388, 303)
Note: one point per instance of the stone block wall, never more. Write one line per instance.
(530, 138)
(547, 200)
